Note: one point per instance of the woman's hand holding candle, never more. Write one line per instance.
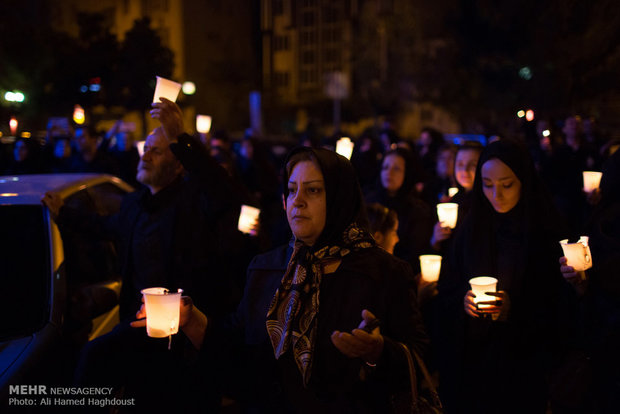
(498, 309)
(576, 279)
(359, 343)
(440, 233)
(192, 321)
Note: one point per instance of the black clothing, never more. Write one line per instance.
(181, 237)
(368, 279)
(508, 359)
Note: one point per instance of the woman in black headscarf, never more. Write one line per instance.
(302, 316)
(497, 361)
(395, 189)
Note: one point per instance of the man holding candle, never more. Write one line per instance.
(178, 231)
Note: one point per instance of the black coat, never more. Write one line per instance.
(198, 229)
(367, 279)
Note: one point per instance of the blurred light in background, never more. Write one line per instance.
(203, 123)
(546, 133)
(13, 125)
(78, 115)
(189, 88)
(529, 115)
(26, 134)
(521, 113)
(14, 96)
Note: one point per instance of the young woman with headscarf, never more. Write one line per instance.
(498, 361)
(395, 190)
(300, 321)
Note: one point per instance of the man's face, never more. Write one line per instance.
(158, 166)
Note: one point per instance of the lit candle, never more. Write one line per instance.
(162, 311)
(430, 265)
(203, 124)
(591, 180)
(165, 88)
(448, 213)
(577, 254)
(452, 191)
(344, 147)
(480, 285)
(247, 219)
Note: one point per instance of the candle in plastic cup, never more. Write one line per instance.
(167, 89)
(203, 123)
(577, 254)
(162, 311)
(344, 147)
(247, 218)
(480, 285)
(448, 213)
(431, 266)
(591, 180)
(452, 191)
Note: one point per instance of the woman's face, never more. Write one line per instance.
(465, 168)
(388, 240)
(306, 205)
(393, 173)
(500, 185)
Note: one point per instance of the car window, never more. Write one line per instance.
(87, 260)
(25, 272)
(107, 198)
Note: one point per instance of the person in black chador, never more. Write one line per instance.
(306, 303)
(174, 232)
(510, 234)
(395, 189)
(597, 337)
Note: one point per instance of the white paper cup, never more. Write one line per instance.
(431, 266)
(247, 218)
(448, 213)
(591, 180)
(577, 254)
(162, 311)
(480, 285)
(167, 89)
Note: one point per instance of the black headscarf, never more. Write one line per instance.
(343, 195)
(292, 315)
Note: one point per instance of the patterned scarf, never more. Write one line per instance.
(292, 315)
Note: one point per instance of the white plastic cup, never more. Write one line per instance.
(577, 254)
(247, 219)
(431, 266)
(591, 180)
(203, 123)
(162, 311)
(447, 214)
(167, 89)
(480, 285)
(344, 147)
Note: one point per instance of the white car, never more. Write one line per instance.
(59, 288)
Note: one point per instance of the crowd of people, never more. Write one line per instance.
(306, 313)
